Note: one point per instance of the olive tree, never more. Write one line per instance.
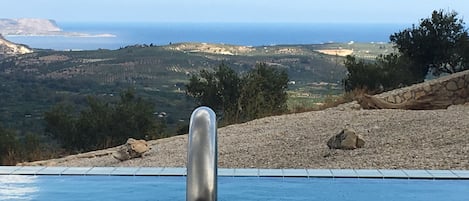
(439, 44)
(259, 92)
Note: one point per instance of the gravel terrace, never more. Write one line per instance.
(395, 139)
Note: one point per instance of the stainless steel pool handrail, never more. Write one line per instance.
(202, 152)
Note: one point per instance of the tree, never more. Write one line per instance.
(134, 116)
(102, 124)
(395, 71)
(61, 126)
(438, 45)
(361, 74)
(260, 92)
(263, 92)
(387, 72)
(217, 89)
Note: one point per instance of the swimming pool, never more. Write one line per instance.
(62, 183)
(126, 188)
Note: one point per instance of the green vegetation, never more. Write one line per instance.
(14, 148)
(60, 102)
(52, 100)
(103, 124)
(33, 83)
(263, 92)
(387, 72)
(440, 44)
(259, 93)
(100, 125)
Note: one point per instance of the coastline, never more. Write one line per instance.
(242, 34)
(63, 34)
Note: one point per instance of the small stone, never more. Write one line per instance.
(427, 88)
(407, 95)
(436, 88)
(458, 101)
(355, 106)
(387, 99)
(451, 86)
(463, 93)
(398, 99)
(461, 83)
(419, 94)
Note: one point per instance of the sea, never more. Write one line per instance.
(118, 35)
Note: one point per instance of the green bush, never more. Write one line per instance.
(103, 124)
(263, 92)
(217, 89)
(387, 72)
(258, 93)
(14, 148)
(9, 146)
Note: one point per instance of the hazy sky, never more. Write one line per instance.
(381, 11)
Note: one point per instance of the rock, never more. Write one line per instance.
(452, 86)
(347, 139)
(131, 149)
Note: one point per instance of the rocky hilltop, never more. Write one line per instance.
(38, 27)
(8, 48)
(28, 26)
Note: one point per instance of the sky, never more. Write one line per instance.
(290, 11)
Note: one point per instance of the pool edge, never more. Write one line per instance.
(240, 172)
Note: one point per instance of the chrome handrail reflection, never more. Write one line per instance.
(202, 156)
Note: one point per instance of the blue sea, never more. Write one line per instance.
(251, 34)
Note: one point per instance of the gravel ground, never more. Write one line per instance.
(395, 139)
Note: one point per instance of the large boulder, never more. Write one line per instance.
(347, 139)
(132, 149)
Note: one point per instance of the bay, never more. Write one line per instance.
(249, 34)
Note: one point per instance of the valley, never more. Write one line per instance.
(32, 83)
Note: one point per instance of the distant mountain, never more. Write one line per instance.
(28, 26)
(8, 48)
(39, 27)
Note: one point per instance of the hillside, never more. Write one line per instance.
(33, 83)
(38, 27)
(28, 26)
(8, 48)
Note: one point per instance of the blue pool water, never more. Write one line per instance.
(142, 188)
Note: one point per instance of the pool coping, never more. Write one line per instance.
(239, 172)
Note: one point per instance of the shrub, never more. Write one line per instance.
(102, 124)
(260, 92)
(387, 72)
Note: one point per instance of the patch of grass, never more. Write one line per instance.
(344, 98)
(298, 104)
(304, 104)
